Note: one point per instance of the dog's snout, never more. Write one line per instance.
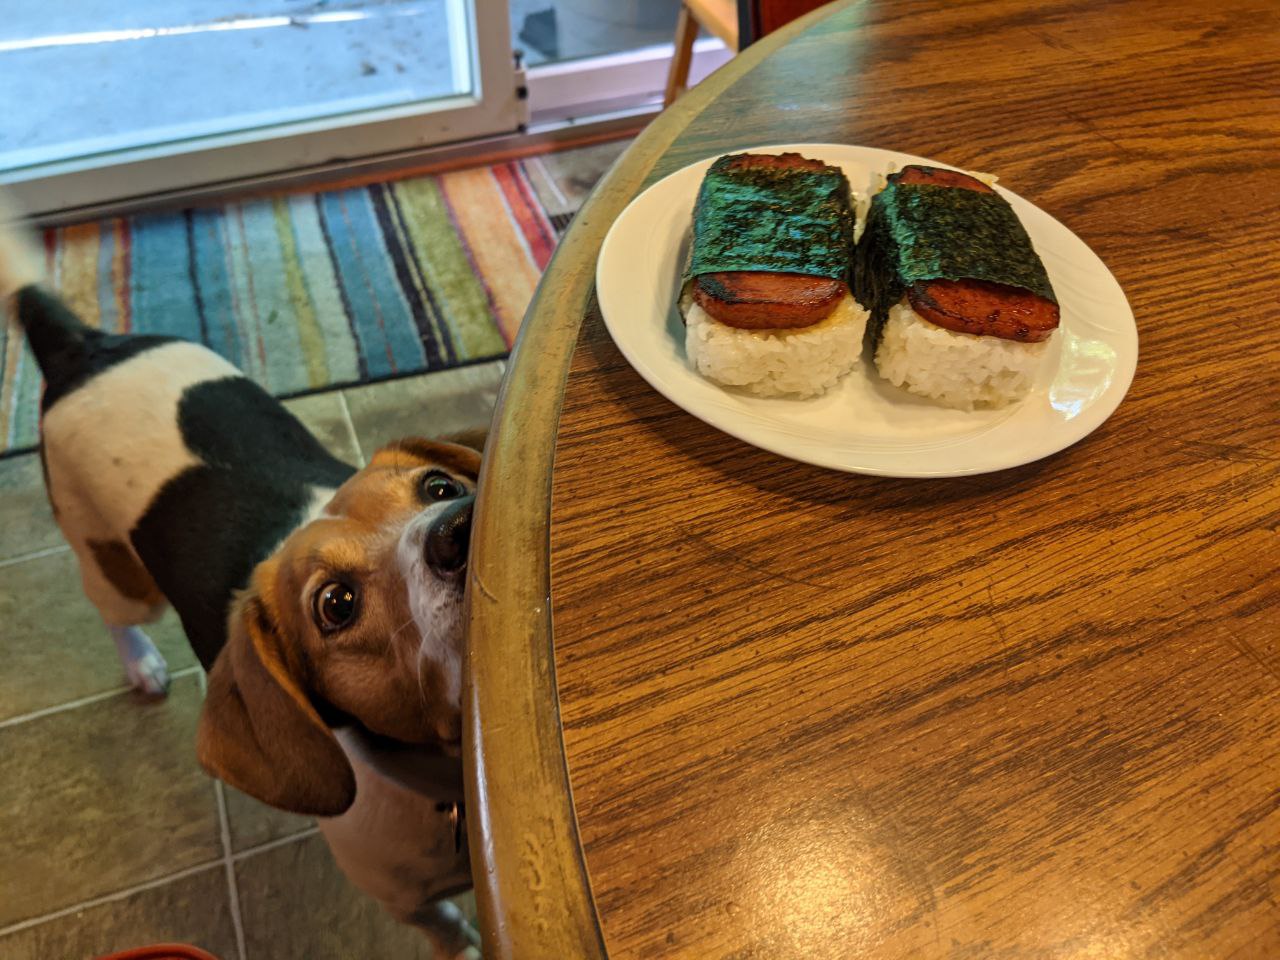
(449, 536)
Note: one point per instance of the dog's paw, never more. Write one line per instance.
(143, 663)
(446, 927)
(149, 674)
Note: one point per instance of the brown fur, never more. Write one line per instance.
(122, 570)
(281, 677)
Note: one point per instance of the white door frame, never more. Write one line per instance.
(633, 81)
(495, 106)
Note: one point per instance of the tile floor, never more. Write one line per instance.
(111, 836)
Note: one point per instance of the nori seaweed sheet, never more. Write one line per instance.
(918, 232)
(772, 220)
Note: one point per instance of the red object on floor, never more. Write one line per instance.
(161, 951)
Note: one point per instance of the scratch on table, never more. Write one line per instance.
(1100, 134)
(730, 557)
(995, 622)
(480, 585)
(1245, 648)
(1210, 450)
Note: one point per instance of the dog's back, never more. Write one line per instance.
(100, 475)
(170, 473)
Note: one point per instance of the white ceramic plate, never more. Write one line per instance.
(865, 424)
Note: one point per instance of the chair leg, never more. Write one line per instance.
(678, 76)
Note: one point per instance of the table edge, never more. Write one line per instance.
(532, 888)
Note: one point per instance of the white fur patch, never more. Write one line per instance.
(143, 664)
(318, 501)
(436, 604)
(111, 444)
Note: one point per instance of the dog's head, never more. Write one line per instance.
(357, 616)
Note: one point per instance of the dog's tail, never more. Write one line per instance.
(20, 262)
(54, 332)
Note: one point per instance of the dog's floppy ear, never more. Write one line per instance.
(409, 451)
(475, 438)
(258, 730)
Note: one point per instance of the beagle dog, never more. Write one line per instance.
(324, 602)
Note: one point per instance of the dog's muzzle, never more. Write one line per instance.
(449, 536)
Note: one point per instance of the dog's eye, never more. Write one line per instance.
(440, 486)
(335, 606)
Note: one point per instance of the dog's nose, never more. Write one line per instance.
(447, 540)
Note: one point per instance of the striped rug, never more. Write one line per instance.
(309, 291)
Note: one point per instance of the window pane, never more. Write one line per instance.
(94, 76)
(551, 30)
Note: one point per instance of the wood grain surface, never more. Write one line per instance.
(530, 880)
(1028, 714)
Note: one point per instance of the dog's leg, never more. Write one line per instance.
(143, 663)
(451, 936)
(125, 594)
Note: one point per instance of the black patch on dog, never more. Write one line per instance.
(69, 353)
(209, 526)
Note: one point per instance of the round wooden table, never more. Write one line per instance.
(722, 704)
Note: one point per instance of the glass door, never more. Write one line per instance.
(592, 58)
(553, 31)
(106, 101)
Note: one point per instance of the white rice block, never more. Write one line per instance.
(800, 362)
(959, 369)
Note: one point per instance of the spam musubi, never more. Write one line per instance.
(766, 295)
(962, 309)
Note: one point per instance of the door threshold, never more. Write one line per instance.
(570, 104)
(538, 139)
